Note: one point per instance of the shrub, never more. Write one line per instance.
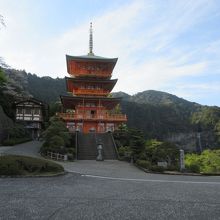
(144, 163)
(172, 168)
(9, 169)
(207, 162)
(9, 142)
(160, 151)
(56, 141)
(71, 151)
(19, 165)
(193, 167)
(121, 151)
(156, 168)
(125, 153)
(56, 137)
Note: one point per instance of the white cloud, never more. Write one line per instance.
(203, 93)
(142, 34)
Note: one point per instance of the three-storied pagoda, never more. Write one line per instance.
(89, 108)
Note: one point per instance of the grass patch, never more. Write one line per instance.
(23, 165)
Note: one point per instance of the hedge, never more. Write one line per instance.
(23, 165)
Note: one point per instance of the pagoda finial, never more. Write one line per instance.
(90, 41)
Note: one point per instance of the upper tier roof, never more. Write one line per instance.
(91, 58)
(71, 101)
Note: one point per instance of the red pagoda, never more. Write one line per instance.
(89, 107)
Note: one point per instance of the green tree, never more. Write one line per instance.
(161, 151)
(2, 77)
(54, 108)
(137, 142)
(56, 128)
(217, 131)
(131, 138)
(207, 117)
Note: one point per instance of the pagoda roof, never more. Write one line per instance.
(71, 101)
(89, 79)
(92, 58)
(107, 83)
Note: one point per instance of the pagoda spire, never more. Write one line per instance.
(90, 41)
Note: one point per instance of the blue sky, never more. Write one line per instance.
(166, 45)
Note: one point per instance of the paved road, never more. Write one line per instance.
(74, 196)
(4, 149)
(107, 168)
(30, 148)
(108, 190)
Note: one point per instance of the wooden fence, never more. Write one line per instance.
(57, 156)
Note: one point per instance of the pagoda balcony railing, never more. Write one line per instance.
(100, 92)
(106, 117)
(92, 74)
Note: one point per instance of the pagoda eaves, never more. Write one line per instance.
(89, 107)
(89, 86)
(90, 66)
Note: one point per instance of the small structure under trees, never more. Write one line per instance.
(31, 113)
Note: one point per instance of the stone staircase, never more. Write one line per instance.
(87, 146)
(109, 152)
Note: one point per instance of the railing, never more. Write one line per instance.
(56, 156)
(76, 144)
(115, 147)
(92, 74)
(99, 92)
(108, 117)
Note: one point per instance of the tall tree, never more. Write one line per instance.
(2, 22)
(2, 77)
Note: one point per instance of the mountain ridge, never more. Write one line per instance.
(158, 114)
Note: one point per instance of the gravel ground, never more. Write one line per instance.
(75, 196)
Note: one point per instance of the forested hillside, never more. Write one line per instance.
(160, 115)
(46, 88)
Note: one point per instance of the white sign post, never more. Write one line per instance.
(182, 164)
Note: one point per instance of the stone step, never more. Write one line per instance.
(87, 146)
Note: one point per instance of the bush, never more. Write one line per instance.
(9, 169)
(56, 141)
(121, 151)
(56, 137)
(71, 151)
(22, 165)
(193, 167)
(125, 153)
(10, 142)
(144, 163)
(207, 162)
(172, 168)
(160, 151)
(156, 168)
